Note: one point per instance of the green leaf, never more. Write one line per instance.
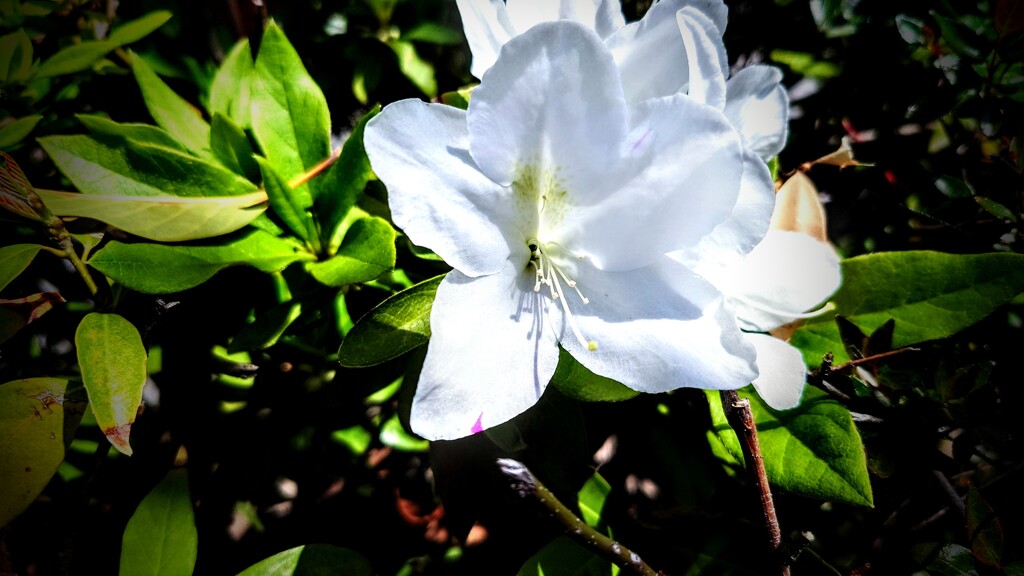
(15, 56)
(290, 205)
(813, 449)
(416, 69)
(931, 295)
(394, 435)
(161, 538)
(576, 381)
(141, 133)
(113, 363)
(392, 328)
(564, 557)
(16, 131)
(172, 112)
(367, 251)
(162, 269)
(267, 328)
(804, 63)
(311, 560)
(14, 259)
(121, 167)
(433, 33)
(592, 497)
(139, 28)
(984, 529)
(163, 218)
(995, 208)
(231, 89)
(231, 146)
(31, 440)
(75, 58)
(343, 182)
(953, 560)
(290, 118)
(910, 29)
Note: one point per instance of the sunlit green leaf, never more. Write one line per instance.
(931, 295)
(141, 133)
(230, 90)
(290, 205)
(311, 560)
(15, 56)
(367, 251)
(813, 449)
(14, 259)
(433, 33)
(162, 269)
(592, 497)
(576, 381)
(394, 435)
(139, 28)
(344, 182)
(164, 218)
(16, 131)
(75, 58)
(124, 167)
(161, 538)
(290, 118)
(416, 69)
(395, 326)
(113, 363)
(231, 146)
(172, 112)
(31, 440)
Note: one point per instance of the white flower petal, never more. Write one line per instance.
(781, 372)
(553, 101)
(757, 104)
(716, 10)
(729, 243)
(526, 14)
(601, 16)
(708, 64)
(679, 180)
(490, 354)
(786, 274)
(650, 53)
(487, 27)
(437, 196)
(657, 328)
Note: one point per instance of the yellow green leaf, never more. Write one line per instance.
(164, 218)
(113, 363)
(31, 440)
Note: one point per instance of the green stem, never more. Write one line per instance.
(527, 485)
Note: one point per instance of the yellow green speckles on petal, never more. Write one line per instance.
(543, 191)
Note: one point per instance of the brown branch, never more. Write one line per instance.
(527, 485)
(741, 418)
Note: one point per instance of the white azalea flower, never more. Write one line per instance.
(785, 275)
(555, 202)
(676, 47)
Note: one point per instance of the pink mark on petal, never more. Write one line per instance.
(479, 426)
(640, 141)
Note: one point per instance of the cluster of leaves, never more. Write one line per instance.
(219, 257)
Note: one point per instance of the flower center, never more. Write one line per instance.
(549, 274)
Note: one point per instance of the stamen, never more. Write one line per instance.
(548, 274)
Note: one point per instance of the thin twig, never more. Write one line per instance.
(526, 485)
(741, 418)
